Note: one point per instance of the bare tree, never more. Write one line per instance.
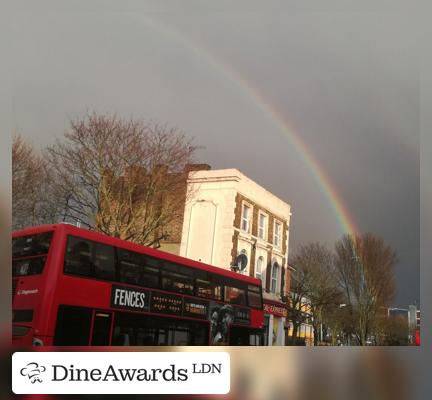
(297, 299)
(125, 178)
(313, 281)
(365, 271)
(391, 330)
(337, 319)
(32, 200)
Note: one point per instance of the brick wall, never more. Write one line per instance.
(254, 231)
(284, 239)
(287, 287)
(174, 228)
(268, 271)
(234, 249)
(270, 229)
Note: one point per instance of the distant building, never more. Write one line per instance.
(302, 312)
(234, 223)
(412, 316)
(398, 312)
(413, 322)
(173, 231)
(145, 205)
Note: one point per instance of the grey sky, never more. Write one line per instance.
(346, 79)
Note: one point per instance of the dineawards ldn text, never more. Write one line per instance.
(113, 374)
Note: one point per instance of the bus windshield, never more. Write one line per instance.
(29, 253)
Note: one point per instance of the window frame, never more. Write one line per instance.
(93, 250)
(98, 271)
(70, 269)
(263, 269)
(248, 220)
(250, 296)
(34, 238)
(216, 289)
(147, 264)
(279, 236)
(275, 265)
(241, 294)
(265, 229)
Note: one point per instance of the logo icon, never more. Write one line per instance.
(33, 371)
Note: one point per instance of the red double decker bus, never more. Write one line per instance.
(73, 286)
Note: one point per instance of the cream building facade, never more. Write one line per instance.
(230, 215)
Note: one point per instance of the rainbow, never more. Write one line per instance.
(344, 218)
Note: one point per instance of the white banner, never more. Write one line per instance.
(120, 373)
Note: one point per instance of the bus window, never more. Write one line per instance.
(104, 262)
(254, 299)
(32, 245)
(140, 330)
(208, 290)
(179, 269)
(134, 330)
(78, 259)
(254, 296)
(177, 283)
(22, 315)
(176, 278)
(234, 295)
(35, 249)
(256, 289)
(28, 266)
(138, 269)
(73, 326)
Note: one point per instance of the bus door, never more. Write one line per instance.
(101, 328)
(80, 326)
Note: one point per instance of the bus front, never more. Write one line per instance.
(31, 257)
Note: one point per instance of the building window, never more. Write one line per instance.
(277, 234)
(259, 269)
(245, 220)
(262, 226)
(274, 278)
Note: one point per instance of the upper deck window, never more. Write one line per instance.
(32, 245)
(29, 253)
(177, 278)
(235, 295)
(138, 269)
(84, 257)
(254, 296)
(208, 289)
